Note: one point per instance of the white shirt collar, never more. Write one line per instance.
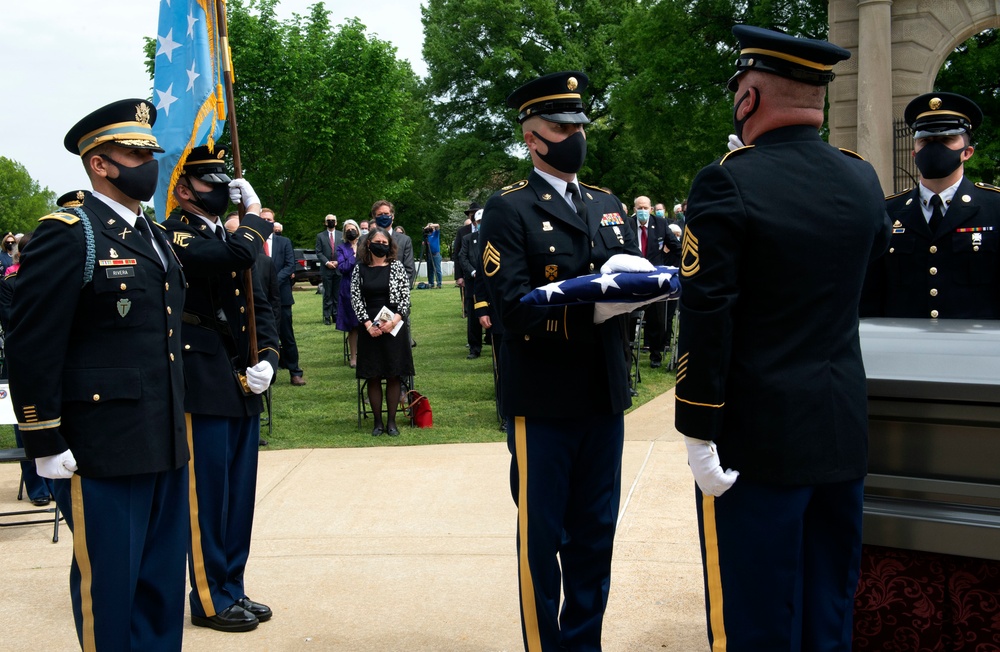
(560, 186)
(211, 225)
(946, 196)
(123, 211)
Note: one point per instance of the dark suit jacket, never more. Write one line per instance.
(953, 273)
(456, 247)
(555, 360)
(216, 349)
(283, 259)
(326, 253)
(96, 367)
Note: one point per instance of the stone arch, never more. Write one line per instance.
(898, 48)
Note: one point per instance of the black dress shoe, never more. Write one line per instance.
(472, 355)
(233, 619)
(655, 364)
(393, 431)
(327, 321)
(41, 502)
(262, 442)
(262, 611)
(376, 431)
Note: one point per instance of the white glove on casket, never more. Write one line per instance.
(703, 458)
(259, 376)
(56, 467)
(240, 190)
(734, 143)
(626, 263)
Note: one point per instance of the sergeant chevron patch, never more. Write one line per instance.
(690, 262)
(491, 260)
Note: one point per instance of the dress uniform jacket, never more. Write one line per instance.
(953, 273)
(216, 348)
(96, 367)
(554, 360)
(778, 239)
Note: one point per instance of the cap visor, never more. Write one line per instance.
(214, 177)
(925, 132)
(576, 118)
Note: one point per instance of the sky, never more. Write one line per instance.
(61, 59)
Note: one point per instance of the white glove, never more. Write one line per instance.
(703, 458)
(734, 142)
(240, 190)
(57, 467)
(626, 263)
(259, 376)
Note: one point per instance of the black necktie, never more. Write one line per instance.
(936, 214)
(574, 192)
(143, 228)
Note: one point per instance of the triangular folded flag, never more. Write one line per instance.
(617, 287)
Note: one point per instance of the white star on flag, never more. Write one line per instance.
(606, 281)
(192, 75)
(550, 289)
(166, 99)
(167, 45)
(191, 21)
(662, 277)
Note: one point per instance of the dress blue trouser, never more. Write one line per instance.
(224, 484)
(781, 566)
(129, 542)
(566, 482)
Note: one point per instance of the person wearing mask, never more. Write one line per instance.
(564, 380)
(363, 226)
(279, 248)
(7, 252)
(97, 384)
(224, 377)
(383, 214)
(655, 242)
(771, 394)
(326, 248)
(467, 260)
(660, 211)
(944, 253)
(347, 321)
(380, 295)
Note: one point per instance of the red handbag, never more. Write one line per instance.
(420, 409)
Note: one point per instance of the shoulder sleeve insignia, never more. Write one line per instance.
(491, 259)
(606, 192)
(181, 238)
(514, 186)
(851, 154)
(735, 152)
(898, 194)
(65, 218)
(987, 186)
(690, 261)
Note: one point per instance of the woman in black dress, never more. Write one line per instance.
(380, 281)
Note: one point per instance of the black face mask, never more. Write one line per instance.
(139, 182)
(330, 224)
(935, 160)
(737, 123)
(566, 155)
(8, 246)
(214, 202)
(378, 249)
(350, 236)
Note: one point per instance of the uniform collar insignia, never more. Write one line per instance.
(546, 197)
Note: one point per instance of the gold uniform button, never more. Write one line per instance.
(933, 249)
(169, 310)
(527, 337)
(933, 271)
(591, 266)
(124, 286)
(234, 274)
(552, 250)
(934, 314)
(171, 357)
(170, 333)
(934, 292)
(237, 293)
(187, 347)
(166, 286)
(975, 248)
(97, 397)
(242, 309)
(592, 245)
(892, 250)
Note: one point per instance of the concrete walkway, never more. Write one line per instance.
(405, 549)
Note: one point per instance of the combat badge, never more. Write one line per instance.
(690, 262)
(552, 272)
(621, 240)
(124, 305)
(491, 260)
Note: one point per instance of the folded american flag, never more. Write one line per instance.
(617, 287)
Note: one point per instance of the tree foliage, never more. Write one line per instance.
(22, 200)
(973, 70)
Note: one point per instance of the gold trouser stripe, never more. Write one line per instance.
(714, 573)
(197, 555)
(83, 563)
(528, 610)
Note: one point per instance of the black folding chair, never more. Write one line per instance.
(17, 455)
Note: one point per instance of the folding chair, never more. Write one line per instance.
(268, 418)
(347, 350)
(635, 377)
(672, 362)
(405, 385)
(17, 455)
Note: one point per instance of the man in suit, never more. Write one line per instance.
(564, 378)
(771, 392)
(944, 254)
(656, 241)
(96, 376)
(279, 248)
(228, 362)
(326, 253)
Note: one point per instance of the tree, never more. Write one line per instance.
(22, 200)
(973, 70)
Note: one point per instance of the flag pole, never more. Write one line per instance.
(227, 80)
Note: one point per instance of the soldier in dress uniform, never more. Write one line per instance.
(97, 381)
(484, 312)
(944, 254)
(564, 377)
(770, 380)
(223, 402)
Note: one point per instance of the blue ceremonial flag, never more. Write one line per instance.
(187, 89)
(637, 288)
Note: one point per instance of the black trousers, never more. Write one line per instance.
(331, 288)
(289, 349)
(655, 330)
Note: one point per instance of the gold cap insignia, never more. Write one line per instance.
(221, 155)
(552, 272)
(935, 103)
(571, 83)
(142, 113)
(546, 197)
(491, 260)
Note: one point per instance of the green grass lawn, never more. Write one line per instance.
(323, 413)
